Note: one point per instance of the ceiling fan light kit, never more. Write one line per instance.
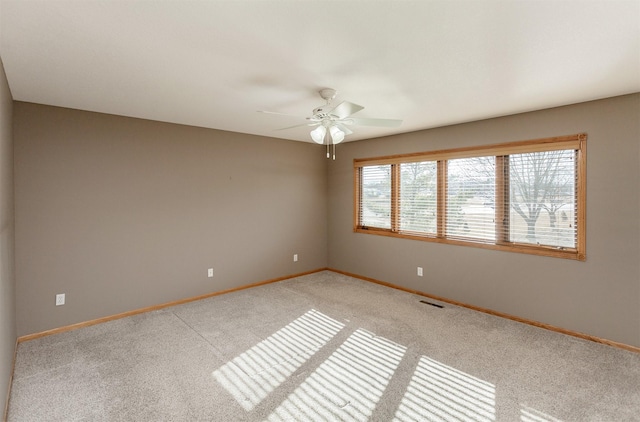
(337, 135)
(333, 121)
(318, 134)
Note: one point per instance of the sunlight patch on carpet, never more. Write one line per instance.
(529, 414)
(438, 392)
(253, 375)
(346, 386)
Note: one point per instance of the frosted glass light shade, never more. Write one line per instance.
(318, 134)
(336, 134)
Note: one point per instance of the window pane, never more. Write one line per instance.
(418, 194)
(471, 197)
(375, 203)
(542, 190)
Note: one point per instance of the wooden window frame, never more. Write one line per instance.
(502, 151)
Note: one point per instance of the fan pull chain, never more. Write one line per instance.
(334, 151)
(328, 151)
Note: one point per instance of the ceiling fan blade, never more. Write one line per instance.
(303, 124)
(345, 129)
(374, 122)
(280, 114)
(345, 109)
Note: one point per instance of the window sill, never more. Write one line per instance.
(506, 247)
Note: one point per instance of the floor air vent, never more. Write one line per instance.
(432, 304)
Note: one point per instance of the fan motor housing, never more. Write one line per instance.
(321, 112)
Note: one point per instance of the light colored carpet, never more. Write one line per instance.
(321, 347)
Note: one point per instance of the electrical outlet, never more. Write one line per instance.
(295, 257)
(210, 272)
(60, 299)
(419, 271)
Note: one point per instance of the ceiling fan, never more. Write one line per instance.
(331, 123)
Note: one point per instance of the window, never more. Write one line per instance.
(471, 191)
(526, 197)
(542, 192)
(418, 194)
(375, 202)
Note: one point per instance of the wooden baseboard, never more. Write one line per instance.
(13, 367)
(372, 280)
(496, 313)
(156, 307)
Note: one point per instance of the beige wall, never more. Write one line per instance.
(123, 213)
(7, 273)
(600, 297)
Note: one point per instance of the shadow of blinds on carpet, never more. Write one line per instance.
(253, 375)
(348, 384)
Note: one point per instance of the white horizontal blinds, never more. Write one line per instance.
(418, 197)
(542, 190)
(470, 207)
(375, 196)
(526, 197)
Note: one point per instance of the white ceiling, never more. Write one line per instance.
(216, 63)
